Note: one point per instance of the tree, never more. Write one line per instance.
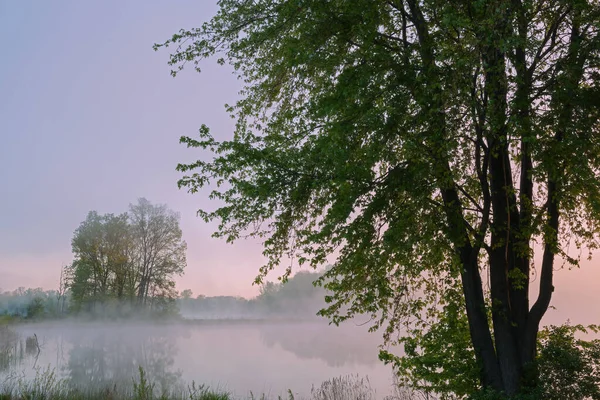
(159, 251)
(119, 246)
(425, 145)
(101, 245)
(570, 366)
(128, 257)
(36, 308)
(296, 297)
(187, 294)
(61, 293)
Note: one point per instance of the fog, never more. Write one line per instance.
(262, 357)
(267, 345)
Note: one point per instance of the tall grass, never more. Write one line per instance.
(11, 349)
(344, 388)
(47, 385)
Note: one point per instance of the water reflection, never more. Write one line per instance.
(109, 358)
(14, 350)
(337, 346)
(237, 356)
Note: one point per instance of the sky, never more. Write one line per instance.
(90, 119)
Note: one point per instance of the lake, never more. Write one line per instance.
(237, 356)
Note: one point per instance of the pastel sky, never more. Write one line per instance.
(90, 120)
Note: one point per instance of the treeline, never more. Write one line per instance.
(297, 298)
(33, 303)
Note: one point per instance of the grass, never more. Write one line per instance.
(6, 319)
(11, 349)
(344, 388)
(48, 386)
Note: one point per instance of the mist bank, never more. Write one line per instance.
(297, 299)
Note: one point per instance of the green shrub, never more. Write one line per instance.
(36, 308)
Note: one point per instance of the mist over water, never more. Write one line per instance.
(262, 357)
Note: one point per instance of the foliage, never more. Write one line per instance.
(36, 308)
(404, 139)
(439, 358)
(442, 363)
(27, 303)
(47, 385)
(101, 268)
(143, 390)
(344, 388)
(127, 260)
(569, 366)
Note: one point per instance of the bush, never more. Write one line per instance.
(36, 308)
(569, 367)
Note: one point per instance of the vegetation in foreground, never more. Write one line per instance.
(47, 386)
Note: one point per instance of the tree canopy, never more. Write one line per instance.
(128, 258)
(426, 145)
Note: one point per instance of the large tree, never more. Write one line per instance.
(424, 143)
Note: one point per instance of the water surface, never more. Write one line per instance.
(237, 356)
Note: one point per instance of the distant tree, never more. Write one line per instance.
(268, 296)
(427, 144)
(61, 293)
(158, 249)
(101, 246)
(81, 285)
(36, 308)
(119, 247)
(297, 296)
(186, 294)
(127, 257)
